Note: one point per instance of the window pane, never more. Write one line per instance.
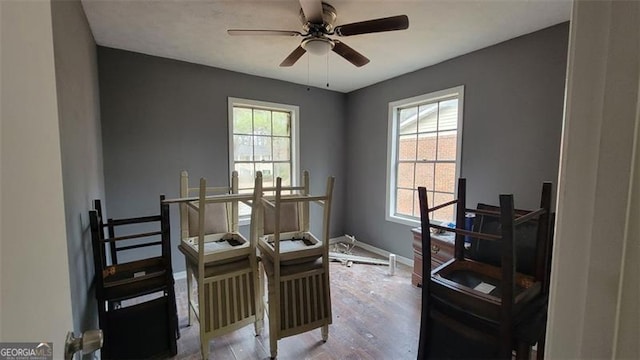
(267, 173)
(416, 204)
(261, 122)
(428, 118)
(244, 209)
(242, 121)
(281, 123)
(407, 120)
(246, 175)
(242, 148)
(281, 149)
(262, 148)
(445, 177)
(429, 204)
(405, 175)
(448, 117)
(283, 171)
(407, 147)
(404, 202)
(447, 145)
(427, 146)
(446, 213)
(424, 175)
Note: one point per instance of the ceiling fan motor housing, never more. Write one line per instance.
(329, 16)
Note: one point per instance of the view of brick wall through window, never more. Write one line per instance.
(426, 156)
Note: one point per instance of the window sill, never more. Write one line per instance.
(413, 222)
(403, 220)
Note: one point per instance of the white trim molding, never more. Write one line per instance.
(180, 275)
(456, 92)
(384, 253)
(592, 314)
(294, 110)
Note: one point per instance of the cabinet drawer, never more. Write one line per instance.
(441, 251)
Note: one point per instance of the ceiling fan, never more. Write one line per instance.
(318, 19)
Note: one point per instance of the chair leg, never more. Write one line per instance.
(325, 332)
(540, 349)
(259, 326)
(172, 314)
(274, 320)
(204, 340)
(105, 352)
(273, 346)
(204, 348)
(523, 351)
(259, 302)
(189, 290)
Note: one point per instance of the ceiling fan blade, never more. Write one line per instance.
(264, 32)
(399, 22)
(293, 57)
(312, 10)
(349, 54)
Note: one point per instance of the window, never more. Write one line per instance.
(262, 137)
(424, 150)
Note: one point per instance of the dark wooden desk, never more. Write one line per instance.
(441, 251)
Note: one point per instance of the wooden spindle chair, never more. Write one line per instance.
(136, 297)
(220, 259)
(486, 303)
(296, 262)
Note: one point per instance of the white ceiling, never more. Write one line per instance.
(195, 31)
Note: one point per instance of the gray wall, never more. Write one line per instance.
(514, 94)
(76, 68)
(161, 116)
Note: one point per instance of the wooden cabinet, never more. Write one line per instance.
(441, 251)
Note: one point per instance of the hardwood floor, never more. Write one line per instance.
(375, 316)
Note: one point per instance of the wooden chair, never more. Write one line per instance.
(491, 305)
(136, 299)
(222, 261)
(295, 261)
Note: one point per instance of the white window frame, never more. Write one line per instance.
(295, 136)
(392, 147)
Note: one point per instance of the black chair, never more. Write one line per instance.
(136, 299)
(489, 299)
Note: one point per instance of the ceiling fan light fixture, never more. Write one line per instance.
(318, 45)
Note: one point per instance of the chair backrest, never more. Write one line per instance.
(293, 216)
(125, 234)
(289, 218)
(288, 211)
(218, 247)
(490, 252)
(530, 238)
(221, 217)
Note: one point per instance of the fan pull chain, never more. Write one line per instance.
(308, 71)
(327, 70)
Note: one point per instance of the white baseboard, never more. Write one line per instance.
(180, 275)
(401, 259)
